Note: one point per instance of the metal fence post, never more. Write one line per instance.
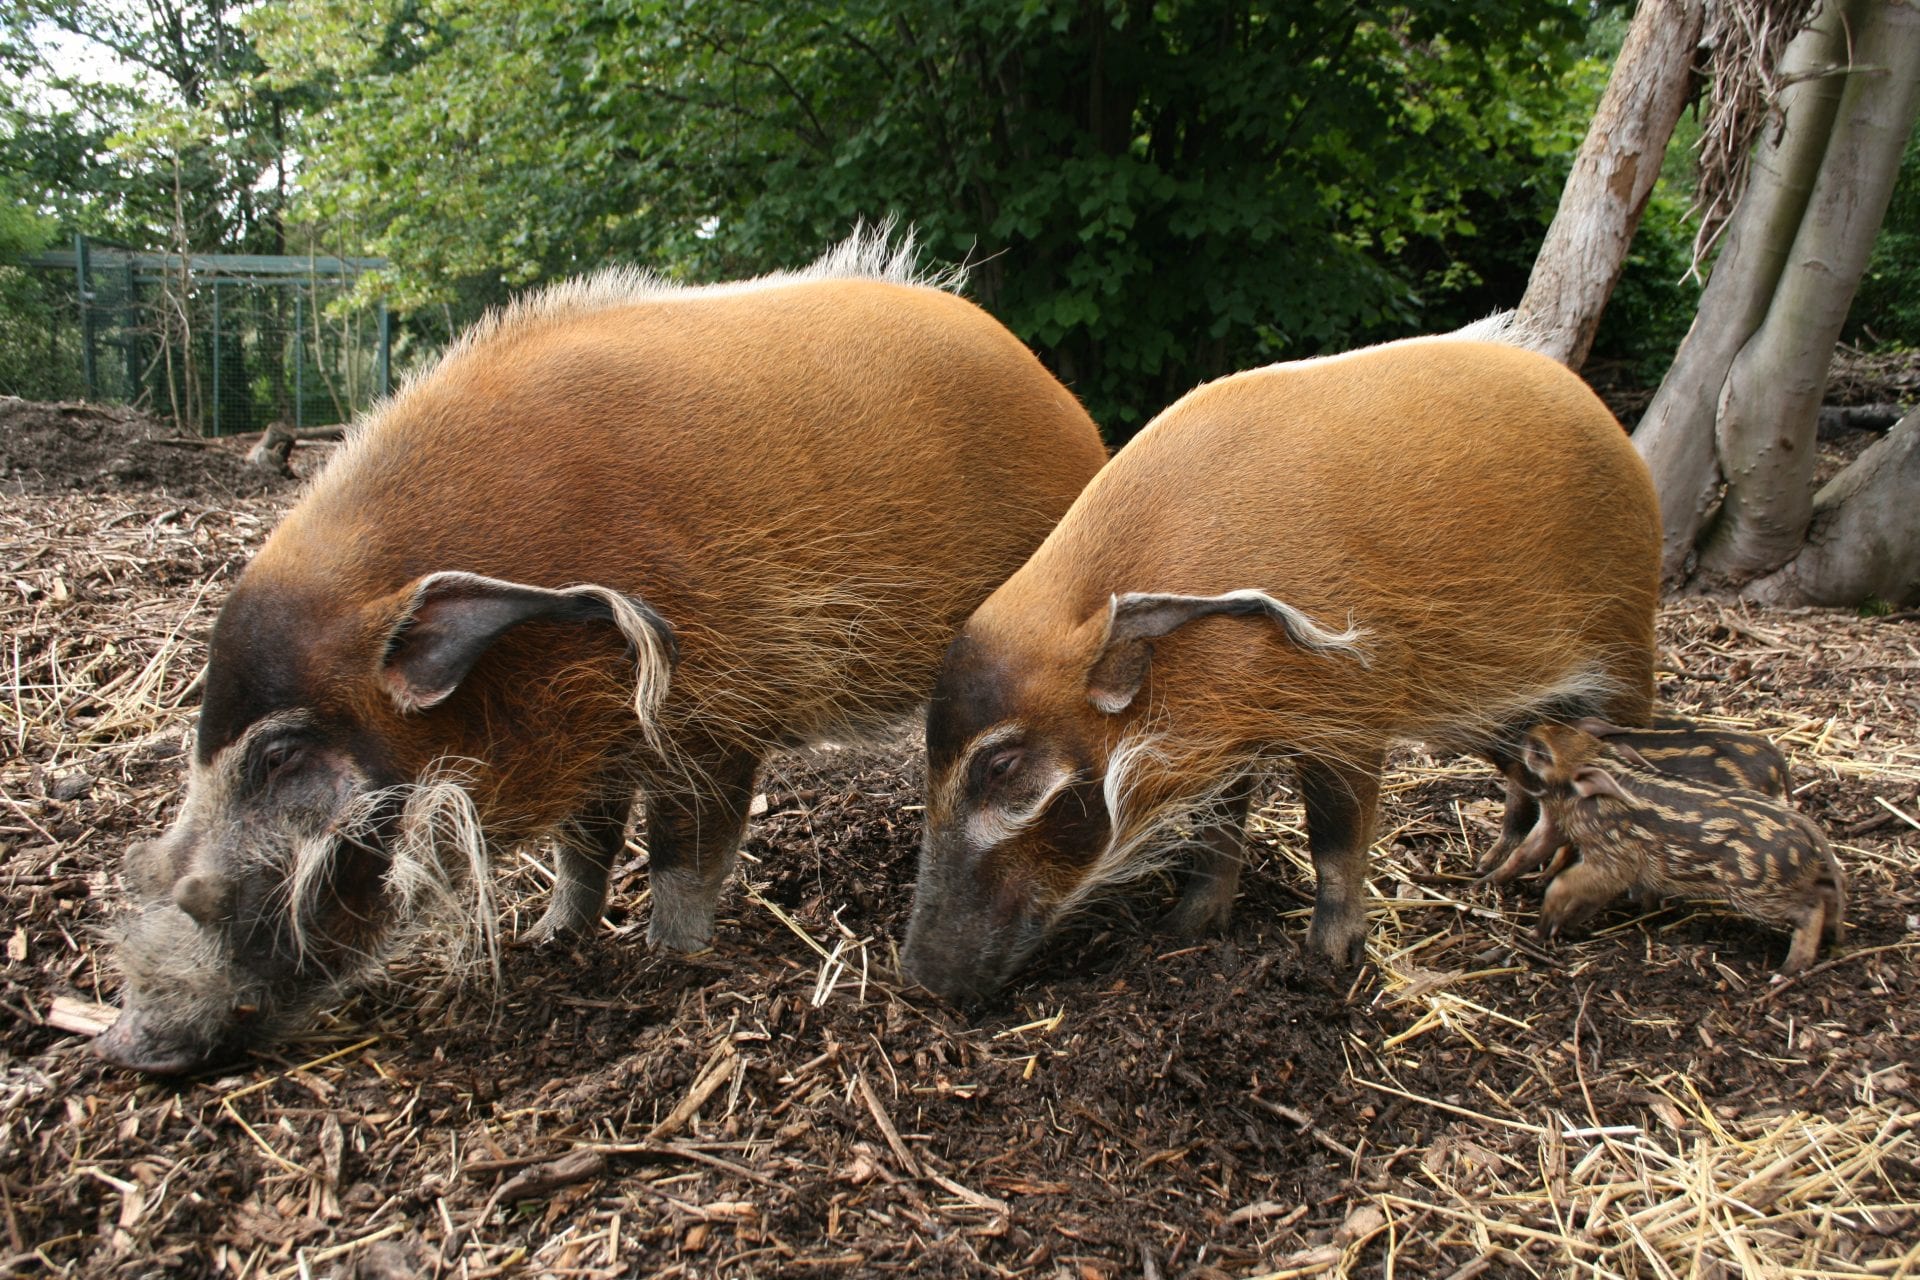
(216, 357)
(299, 357)
(130, 335)
(82, 266)
(383, 375)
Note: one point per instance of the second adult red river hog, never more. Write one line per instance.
(1438, 539)
(627, 536)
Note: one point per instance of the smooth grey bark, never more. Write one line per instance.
(1676, 433)
(1769, 413)
(1864, 538)
(1612, 177)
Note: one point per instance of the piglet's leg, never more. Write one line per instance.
(1531, 852)
(1219, 851)
(694, 827)
(1577, 893)
(1341, 798)
(1520, 819)
(588, 845)
(1562, 858)
(1808, 926)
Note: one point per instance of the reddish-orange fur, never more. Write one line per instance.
(713, 456)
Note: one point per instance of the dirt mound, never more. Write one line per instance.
(99, 448)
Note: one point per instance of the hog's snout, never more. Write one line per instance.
(206, 897)
(137, 1042)
(187, 1003)
(959, 984)
(963, 955)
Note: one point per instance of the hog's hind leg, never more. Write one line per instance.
(1342, 798)
(1809, 924)
(693, 836)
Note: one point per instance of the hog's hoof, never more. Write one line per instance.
(1341, 943)
(543, 938)
(558, 928)
(682, 917)
(685, 936)
(1197, 917)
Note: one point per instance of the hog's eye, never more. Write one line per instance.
(274, 759)
(995, 765)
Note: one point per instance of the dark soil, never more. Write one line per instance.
(1133, 1105)
(99, 448)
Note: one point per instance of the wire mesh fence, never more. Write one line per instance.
(222, 343)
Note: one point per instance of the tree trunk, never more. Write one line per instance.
(1676, 433)
(1600, 207)
(1770, 418)
(1864, 539)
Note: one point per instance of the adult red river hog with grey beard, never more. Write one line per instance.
(625, 537)
(1439, 539)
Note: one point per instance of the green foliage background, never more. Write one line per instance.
(23, 322)
(1887, 307)
(1150, 192)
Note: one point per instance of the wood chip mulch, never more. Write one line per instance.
(1644, 1100)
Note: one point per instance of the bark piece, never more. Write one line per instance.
(81, 1017)
(1612, 177)
(544, 1179)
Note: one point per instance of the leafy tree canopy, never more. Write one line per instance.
(1151, 192)
(146, 124)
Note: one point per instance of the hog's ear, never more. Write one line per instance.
(1136, 619)
(1536, 756)
(1631, 756)
(449, 619)
(1597, 727)
(1591, 780)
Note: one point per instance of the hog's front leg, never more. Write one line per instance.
(1539, 845)
(588, 846)
(1219, 851)
(1579, 891)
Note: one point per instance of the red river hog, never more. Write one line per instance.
(1440, 539)
(625, 537)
